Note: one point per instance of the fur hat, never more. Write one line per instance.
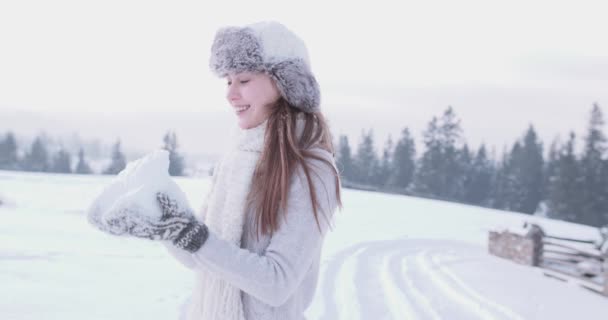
(271, 48)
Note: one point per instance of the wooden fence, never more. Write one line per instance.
(578, 261)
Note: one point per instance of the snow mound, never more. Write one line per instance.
(589, 268)
(6, 202)
(133, 192)
(527, 229)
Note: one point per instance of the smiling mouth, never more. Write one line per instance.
(242, 109)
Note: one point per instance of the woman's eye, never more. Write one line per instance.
(241, 82)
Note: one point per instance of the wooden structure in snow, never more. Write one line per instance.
(579, 261)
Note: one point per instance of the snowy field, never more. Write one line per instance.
(389, 257)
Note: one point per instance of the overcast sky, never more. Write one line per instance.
(133, 69)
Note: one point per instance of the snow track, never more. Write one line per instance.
(488, 304)
(420, 299)
(400, 305)
(404, 279)
(332, 291)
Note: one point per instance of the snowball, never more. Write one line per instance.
(133, 192)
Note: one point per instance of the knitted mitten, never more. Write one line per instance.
(175, 225)
(193, 234)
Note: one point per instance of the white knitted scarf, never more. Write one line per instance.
(224, 214)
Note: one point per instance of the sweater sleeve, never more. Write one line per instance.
(274, 275)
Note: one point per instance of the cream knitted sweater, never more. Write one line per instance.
(277, 275)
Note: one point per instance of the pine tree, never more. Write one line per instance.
(519, 180)
(461, 170)
(551, 164)
(62, 162)
(385, 164)
(366, 160)
(345, 159)
(82, 167)
(508, 193)
(594, 172)
(456, 157)
(37, 158)
(497, 193)
(428, 179)
(530, 172)
(603, 200)
(8, 153)
(441, 172)
(479, 179)
(564, 199)
(176, 161)
(119, 161)
(403, 162)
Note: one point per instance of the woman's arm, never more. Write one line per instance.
(273, 276)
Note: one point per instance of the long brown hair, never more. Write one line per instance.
(282, 154)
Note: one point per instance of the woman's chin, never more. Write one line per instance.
(246, 123)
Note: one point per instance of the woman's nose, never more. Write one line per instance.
(232, 93)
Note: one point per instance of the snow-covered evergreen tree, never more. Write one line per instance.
(83, 166)
(519, 180)
(550, 169)
(119, 161)
(8, 153)
(37, 158)
(366, 160)
(441, 172)
(385, 166)
(62, 162)
(345, 159)
(479, 179)
(176, 161)
(507, 193)
(595, 172)
(454, 167)
(428, 179)
(403, 162)
(530, 172)
(564, 199)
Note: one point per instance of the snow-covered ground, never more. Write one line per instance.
(389, 257)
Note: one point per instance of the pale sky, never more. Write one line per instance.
(133, 69)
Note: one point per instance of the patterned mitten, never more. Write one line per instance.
(193, 234)
(175, 225)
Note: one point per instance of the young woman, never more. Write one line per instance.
(256, 244)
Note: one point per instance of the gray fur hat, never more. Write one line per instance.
(271, 48)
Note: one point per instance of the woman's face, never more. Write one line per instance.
(251, 95)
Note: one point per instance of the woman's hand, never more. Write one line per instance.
(175, 225)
